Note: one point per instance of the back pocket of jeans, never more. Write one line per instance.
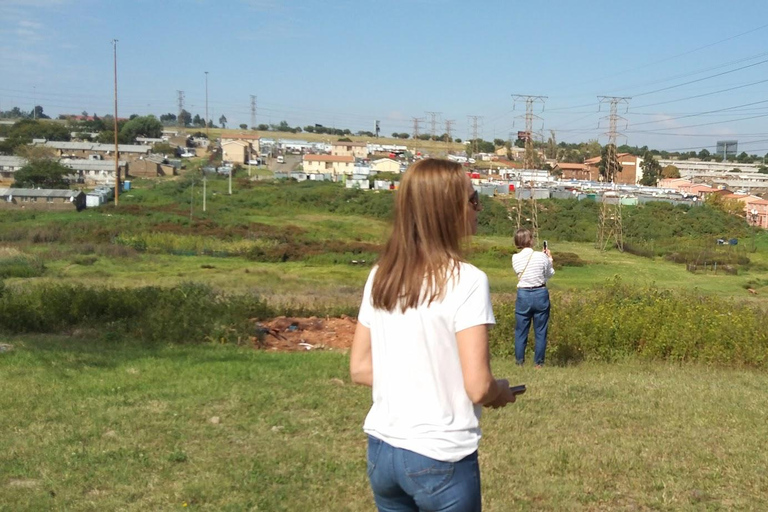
(426, 473)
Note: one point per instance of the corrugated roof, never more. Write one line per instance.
(81, 164)
(338, 143)
(40, 192)
(12, 161)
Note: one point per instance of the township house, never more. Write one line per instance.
(94, 172)
(631, 172)
(8, 166)
(329, 164)
(41, 199)
(93, 150)
(236, 151)
(251, 141)
(353, 149)
(755, 209)
(385, 165)
(151, 167)
(573, 171)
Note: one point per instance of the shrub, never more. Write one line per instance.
(616, 320)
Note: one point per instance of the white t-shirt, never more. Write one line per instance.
(419, 400)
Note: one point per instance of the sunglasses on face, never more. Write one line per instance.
(474, 200)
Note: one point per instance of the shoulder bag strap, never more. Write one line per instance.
(520, 275)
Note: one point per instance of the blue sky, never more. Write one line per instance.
(346, 63)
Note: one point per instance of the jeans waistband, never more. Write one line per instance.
(533, 287)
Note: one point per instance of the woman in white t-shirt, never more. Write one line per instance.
(422, 344)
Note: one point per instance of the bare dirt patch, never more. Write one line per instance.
(288, 334)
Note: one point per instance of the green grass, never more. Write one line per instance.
(91, 424)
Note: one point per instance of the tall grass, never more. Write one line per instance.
(611, 322)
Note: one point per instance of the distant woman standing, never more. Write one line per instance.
(422, 344)
(533, 270)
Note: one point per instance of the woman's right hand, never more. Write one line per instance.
(504, 397)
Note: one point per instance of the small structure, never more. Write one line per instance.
(329, 164)
(41, 199)
(151, 167)
(386, 165)
(353, 149)
(236, 151)
(8, 167)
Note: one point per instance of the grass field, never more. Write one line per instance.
(114, 425)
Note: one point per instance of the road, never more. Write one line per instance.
(291, 163)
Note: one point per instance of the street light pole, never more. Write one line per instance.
(117, 149)
(206, 108)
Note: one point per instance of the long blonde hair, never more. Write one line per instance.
(431, 220)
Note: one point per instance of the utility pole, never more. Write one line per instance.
(416, 121)
(610, 224)
(117, 148)
(529, 159)
(448, 129)
(433, 122)
(180, 100)
(230, 181)
(253, 112)
(204, 183)
(206, 108)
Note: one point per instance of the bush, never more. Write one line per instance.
(616, 320)
(21, 266)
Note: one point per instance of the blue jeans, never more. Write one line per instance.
(531, 304)
(402, 480)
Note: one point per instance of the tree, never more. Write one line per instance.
(455, 140)
(704, 155)
(651, 170)
(243, 126)
(106, 137)
(263, 128)
(670, 171)
(37, 113)
(185, 118)
(499, 142)
(163, 148)
(223, 121)
(24, 131)
(42, 173)
(551, 150)
(141, 126)
(168, 118)
(592, 149)
(198, 121)
(395, 135)
(609, 163)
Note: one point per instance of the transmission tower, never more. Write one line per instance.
(448, 129)
(433, 122)
(610, 227)
(473, 124)
(416, 122)
(253, 111)
(180, 100)
(529, 161)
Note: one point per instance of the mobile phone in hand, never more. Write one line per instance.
(546, 245)
(517, 390)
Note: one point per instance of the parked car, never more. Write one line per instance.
(280, 159)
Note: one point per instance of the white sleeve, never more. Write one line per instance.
(475, 308)
(549, 270)
(365, 316)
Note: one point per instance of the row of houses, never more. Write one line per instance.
(91, 173)
(755, 207)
